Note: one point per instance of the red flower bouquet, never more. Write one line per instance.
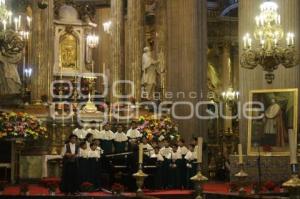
(270, 185)
(117, 189)
(87, 187)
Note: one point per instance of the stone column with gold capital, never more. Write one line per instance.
(135, 44)
(41, 48)
(187, 63)
(226, 81)
(117, 48)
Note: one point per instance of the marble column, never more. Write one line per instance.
(187, 62)
(226, 65)
(161, 43)
(42, 48)
(135, 44)
(117, 47)
(254, 79)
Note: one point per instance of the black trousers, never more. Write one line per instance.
(69, 183)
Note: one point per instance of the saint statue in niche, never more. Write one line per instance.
(150, 72)
(68, 51)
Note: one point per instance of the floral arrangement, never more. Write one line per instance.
(158, 129)
(20, 125)
(270, 185)
(117, 189)
(87, 187)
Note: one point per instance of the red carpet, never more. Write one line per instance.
(210, 188)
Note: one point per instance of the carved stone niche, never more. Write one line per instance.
(71, 54)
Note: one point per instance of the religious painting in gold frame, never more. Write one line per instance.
(68, 47)
(269, 135)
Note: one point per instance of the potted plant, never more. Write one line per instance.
(2, 187)
(24, 190)
(87, 187)
(117, 189)
(233, 187)
(270, 186)
(255, 188)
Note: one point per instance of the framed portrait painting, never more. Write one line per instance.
(273, 121)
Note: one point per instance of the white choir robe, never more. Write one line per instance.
(148, 149)
(94, 154)
(133, 134)
(158, 157)
(166, 152)
(96, 133)
(182, 150)
(80, 133)
(84, 153)
(120, 137)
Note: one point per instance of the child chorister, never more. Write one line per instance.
(174, 172)
(88, 140)
(120, 140)
(106, 139)
(94, 173)
(93, 130)
(133, 133)
(183, 150)
(166, 153)
(69, 183)
(158, 159)
(80, 132)
(83, 163)
(191, 166)
(148, 149)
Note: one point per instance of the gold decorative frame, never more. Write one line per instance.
(250, 149)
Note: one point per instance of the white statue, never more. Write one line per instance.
(150, 70)
(10, 82)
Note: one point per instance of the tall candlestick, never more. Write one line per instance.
(28, 21)
(9, 17)
(19, 21)
(141, 153)
(16, 24)
(104, 69)
(199, 152)
(293, 147)
(240, 153)
(4, 24)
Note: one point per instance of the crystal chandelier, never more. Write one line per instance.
(14, 30)
(269, 33)
(92, 40)
(230, 96)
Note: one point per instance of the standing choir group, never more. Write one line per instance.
(85, 158)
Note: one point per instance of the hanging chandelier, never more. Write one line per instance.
(269, 52)
(14, 29)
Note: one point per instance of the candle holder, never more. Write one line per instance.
(140, 177)
(293, 184)
(198, 180)
(241, 175)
